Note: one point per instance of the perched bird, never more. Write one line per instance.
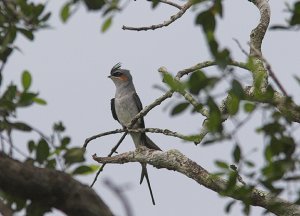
(124, 107)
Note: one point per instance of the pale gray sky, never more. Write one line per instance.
(70, 64)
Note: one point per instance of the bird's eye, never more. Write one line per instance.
(117, 74)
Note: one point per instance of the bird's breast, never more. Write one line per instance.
(126, 109)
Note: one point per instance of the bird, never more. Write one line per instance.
(124, 107)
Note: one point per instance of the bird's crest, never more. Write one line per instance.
(116, 67)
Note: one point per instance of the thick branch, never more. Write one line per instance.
(52, 188)
(174, 160)
(283, 103)
(182, 10)
(260, 74)
(258, 33)
(4, 209)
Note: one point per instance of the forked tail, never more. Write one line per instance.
(145, 174)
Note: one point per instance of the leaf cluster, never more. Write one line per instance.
(19, 17)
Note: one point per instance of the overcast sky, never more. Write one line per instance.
(70, 64)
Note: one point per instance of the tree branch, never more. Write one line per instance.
(166, 132)
(171, 3)
(173, 18)
(120, 194)
(113, 150)
(258, 33)
(52, 188)
(270, 70)
(260, 74)
(4, 209)
(284, 104)
(206, 64)
(175, 160)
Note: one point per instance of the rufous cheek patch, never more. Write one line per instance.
(123, 77)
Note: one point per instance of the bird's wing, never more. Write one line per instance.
(113, 109)
(140, 107)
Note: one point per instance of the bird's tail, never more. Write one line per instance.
(145, 174)
(150, 144)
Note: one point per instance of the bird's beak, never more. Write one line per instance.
(109, 76)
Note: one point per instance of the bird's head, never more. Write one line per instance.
(120, 76)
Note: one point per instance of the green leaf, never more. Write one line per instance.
(237, 154)
(179, 108)
(295, 19)
(85, 170)
(249, 107)
(74, 155)
(174, 84)
(42, 151)
(233, 104)
(65, 141)
(237, 89)
(197, 81)
(207, 20)
(214, 122)
(155, 3)
(26, 98)
(229, 206)
(21, 126)
(250, 164)
(94, 4)
(65, 12)
(26, 80)
(51, 164)
(221, 164)
(10, 93)
(31, 146)
(107, 23)
(46, 17)
(59, 127)
(27, 33)
(39, 101)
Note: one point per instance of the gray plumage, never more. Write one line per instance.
(125, 106)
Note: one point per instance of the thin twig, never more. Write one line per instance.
(86, 142)
(240, 46)
(173, 18)
(113, 150)
(2, 142)
(206, 64)
(119, 193)
(166, 132)
(269, 69)
(240, 124)
(239, 177)
(171, 3)
(147, 109)
(1, 70)
(13, 147)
